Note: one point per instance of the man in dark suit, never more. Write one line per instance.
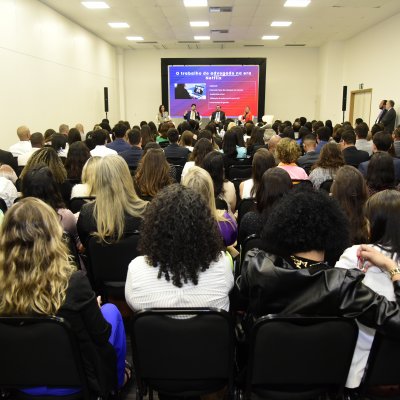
(351, 155)
(134, 154)
(311, 156)
(389, 119)
(218, 116)
(382, 141)
(382, 107)
(192, 114)
(173, 150)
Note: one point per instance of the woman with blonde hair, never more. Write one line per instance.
(288, 151)
(153, 173)
(117, 210)
(48, 156)
(200, 180)
(85, 188)
(37, 278)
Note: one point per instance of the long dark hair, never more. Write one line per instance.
(229, 143)
(380, 172)
(351, 192)
(275, 183)
(263, 160)
(78, 154)
(383, 213)
(213, 163)
(200, 150)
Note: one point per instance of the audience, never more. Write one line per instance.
(119, 144)
(24, 145)
(201, 149)
(78, 154)
(361, 131)
(380, 173)
(37, 142)
(329, 161)
(133, 155)
(186, 140)
(86, 188)
(352, 156)
(173, 150)
(99, 140)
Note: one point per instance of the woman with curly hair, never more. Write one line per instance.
(263, 160)
(383, 213)
(188, 267)
(117, 210)
(200, 180)
(200, 150)
(224, 190)
(48, 156)
(350, 190)
(78, 154)
(153, 173)
(329, 161)
(288, 151)
(293, 274)
(37, 278)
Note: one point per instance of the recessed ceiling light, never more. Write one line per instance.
(297, 3)
(270, 37)
(202, 38)
(195, 3)
(118, 24)
(95, 4)
(281, 23)
(134, 38)
(199, 23)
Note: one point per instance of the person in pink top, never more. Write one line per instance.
(288, 151)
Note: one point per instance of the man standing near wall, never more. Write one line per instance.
(382, 107)
(389, 119)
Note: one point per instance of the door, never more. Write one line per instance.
(360, 105)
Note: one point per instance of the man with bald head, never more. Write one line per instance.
(272, 143)
(24, 144)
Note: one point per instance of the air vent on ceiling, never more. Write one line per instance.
(223, 41)
(253, 45)
(219, 31)
(295, 45)
(219, 9)
(146, 42)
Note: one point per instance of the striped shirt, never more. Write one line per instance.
(144, 290)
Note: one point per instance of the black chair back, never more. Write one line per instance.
(76, 203)
(108, 264)
(40, 351)
(3, 205)
(326, 185)
(239, 171)
(177, 170)
(183, 352)
(299, 357)
(177, 160)
(382, 367)
(164, 144)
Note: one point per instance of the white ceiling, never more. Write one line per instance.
(166, 22)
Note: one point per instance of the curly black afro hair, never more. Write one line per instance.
(179, 235)
(306, 220)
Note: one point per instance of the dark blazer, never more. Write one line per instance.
(354, 157)
(222, 116)
(389, 120)
(7, 158)
(363, 167)
(119, 145)
(132, 156)
(380, 116)
(187, 115)
(308, 160)
(173, 150)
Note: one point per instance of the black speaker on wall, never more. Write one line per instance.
(106, 99)
(344, 98)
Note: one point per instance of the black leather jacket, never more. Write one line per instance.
(273, 286)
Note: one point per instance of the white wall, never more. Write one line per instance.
(372, 58)
(291, 79)
(52, 71)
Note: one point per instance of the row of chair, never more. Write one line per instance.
(288, 357)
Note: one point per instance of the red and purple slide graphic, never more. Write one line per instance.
(233, 87)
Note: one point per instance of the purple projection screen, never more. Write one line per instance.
(233, 87)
